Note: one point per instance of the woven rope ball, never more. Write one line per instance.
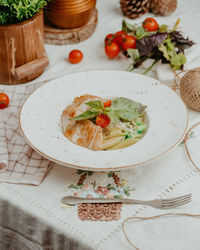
(190, 89)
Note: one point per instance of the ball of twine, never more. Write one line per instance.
(190, 89)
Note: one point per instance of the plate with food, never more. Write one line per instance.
(103, 120)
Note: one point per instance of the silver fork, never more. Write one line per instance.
(158, 203)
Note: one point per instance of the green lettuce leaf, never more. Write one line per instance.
(126, 109)
(169, 52)
(177, 61)
(141, 32)
(95, 105)
(163, 28)
(114, 117)
(127, 27)
(86, 115)
(134, 54)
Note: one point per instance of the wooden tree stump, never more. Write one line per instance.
(58, 36)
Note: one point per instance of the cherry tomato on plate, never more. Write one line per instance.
(112, 49)
(4, 101)
(119, 37)
(102, 120)
(107, 104)
(75, 56)
(108, 38)
(150, 24)
(129, 43)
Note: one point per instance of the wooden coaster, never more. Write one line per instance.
(58, 36)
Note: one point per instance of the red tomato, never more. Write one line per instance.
(107, 104)
(75, 56)
(112, 49)
(129, 43)
(103, 121)
(150, 24)
(119, 37)
(108, 38)
(4, 101)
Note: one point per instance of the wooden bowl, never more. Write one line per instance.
(69, 14)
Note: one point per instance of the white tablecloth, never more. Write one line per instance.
(32, 217)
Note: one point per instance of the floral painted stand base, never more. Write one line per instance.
(102, 185)
(97, 212)
(53, 35)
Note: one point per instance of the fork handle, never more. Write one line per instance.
(71, 200)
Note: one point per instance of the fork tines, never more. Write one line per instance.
(178, 201)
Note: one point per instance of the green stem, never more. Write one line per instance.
(130, 67)
(131, 70)
(152, 65)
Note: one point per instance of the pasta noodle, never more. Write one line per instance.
(125, 143)
(131, 133)
(112, 141)
(113, 132)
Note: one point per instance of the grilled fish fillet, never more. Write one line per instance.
(83, 133)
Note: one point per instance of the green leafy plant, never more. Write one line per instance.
(15, 11)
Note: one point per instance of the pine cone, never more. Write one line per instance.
(134, 8)
(163, 7)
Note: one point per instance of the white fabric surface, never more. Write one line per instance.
(170, 176)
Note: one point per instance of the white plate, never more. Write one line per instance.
(40, 119)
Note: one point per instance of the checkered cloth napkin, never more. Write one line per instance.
(19, 163)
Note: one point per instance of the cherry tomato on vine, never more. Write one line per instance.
(150, 24)
(119, 37)
(4, 101)
(112, 49)
(107, 104)
(75, 56)
(102, 120)
(129, 43)
(108, 38)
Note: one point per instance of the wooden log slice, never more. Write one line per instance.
(58, 36)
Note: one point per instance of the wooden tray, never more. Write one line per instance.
(58, 36)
